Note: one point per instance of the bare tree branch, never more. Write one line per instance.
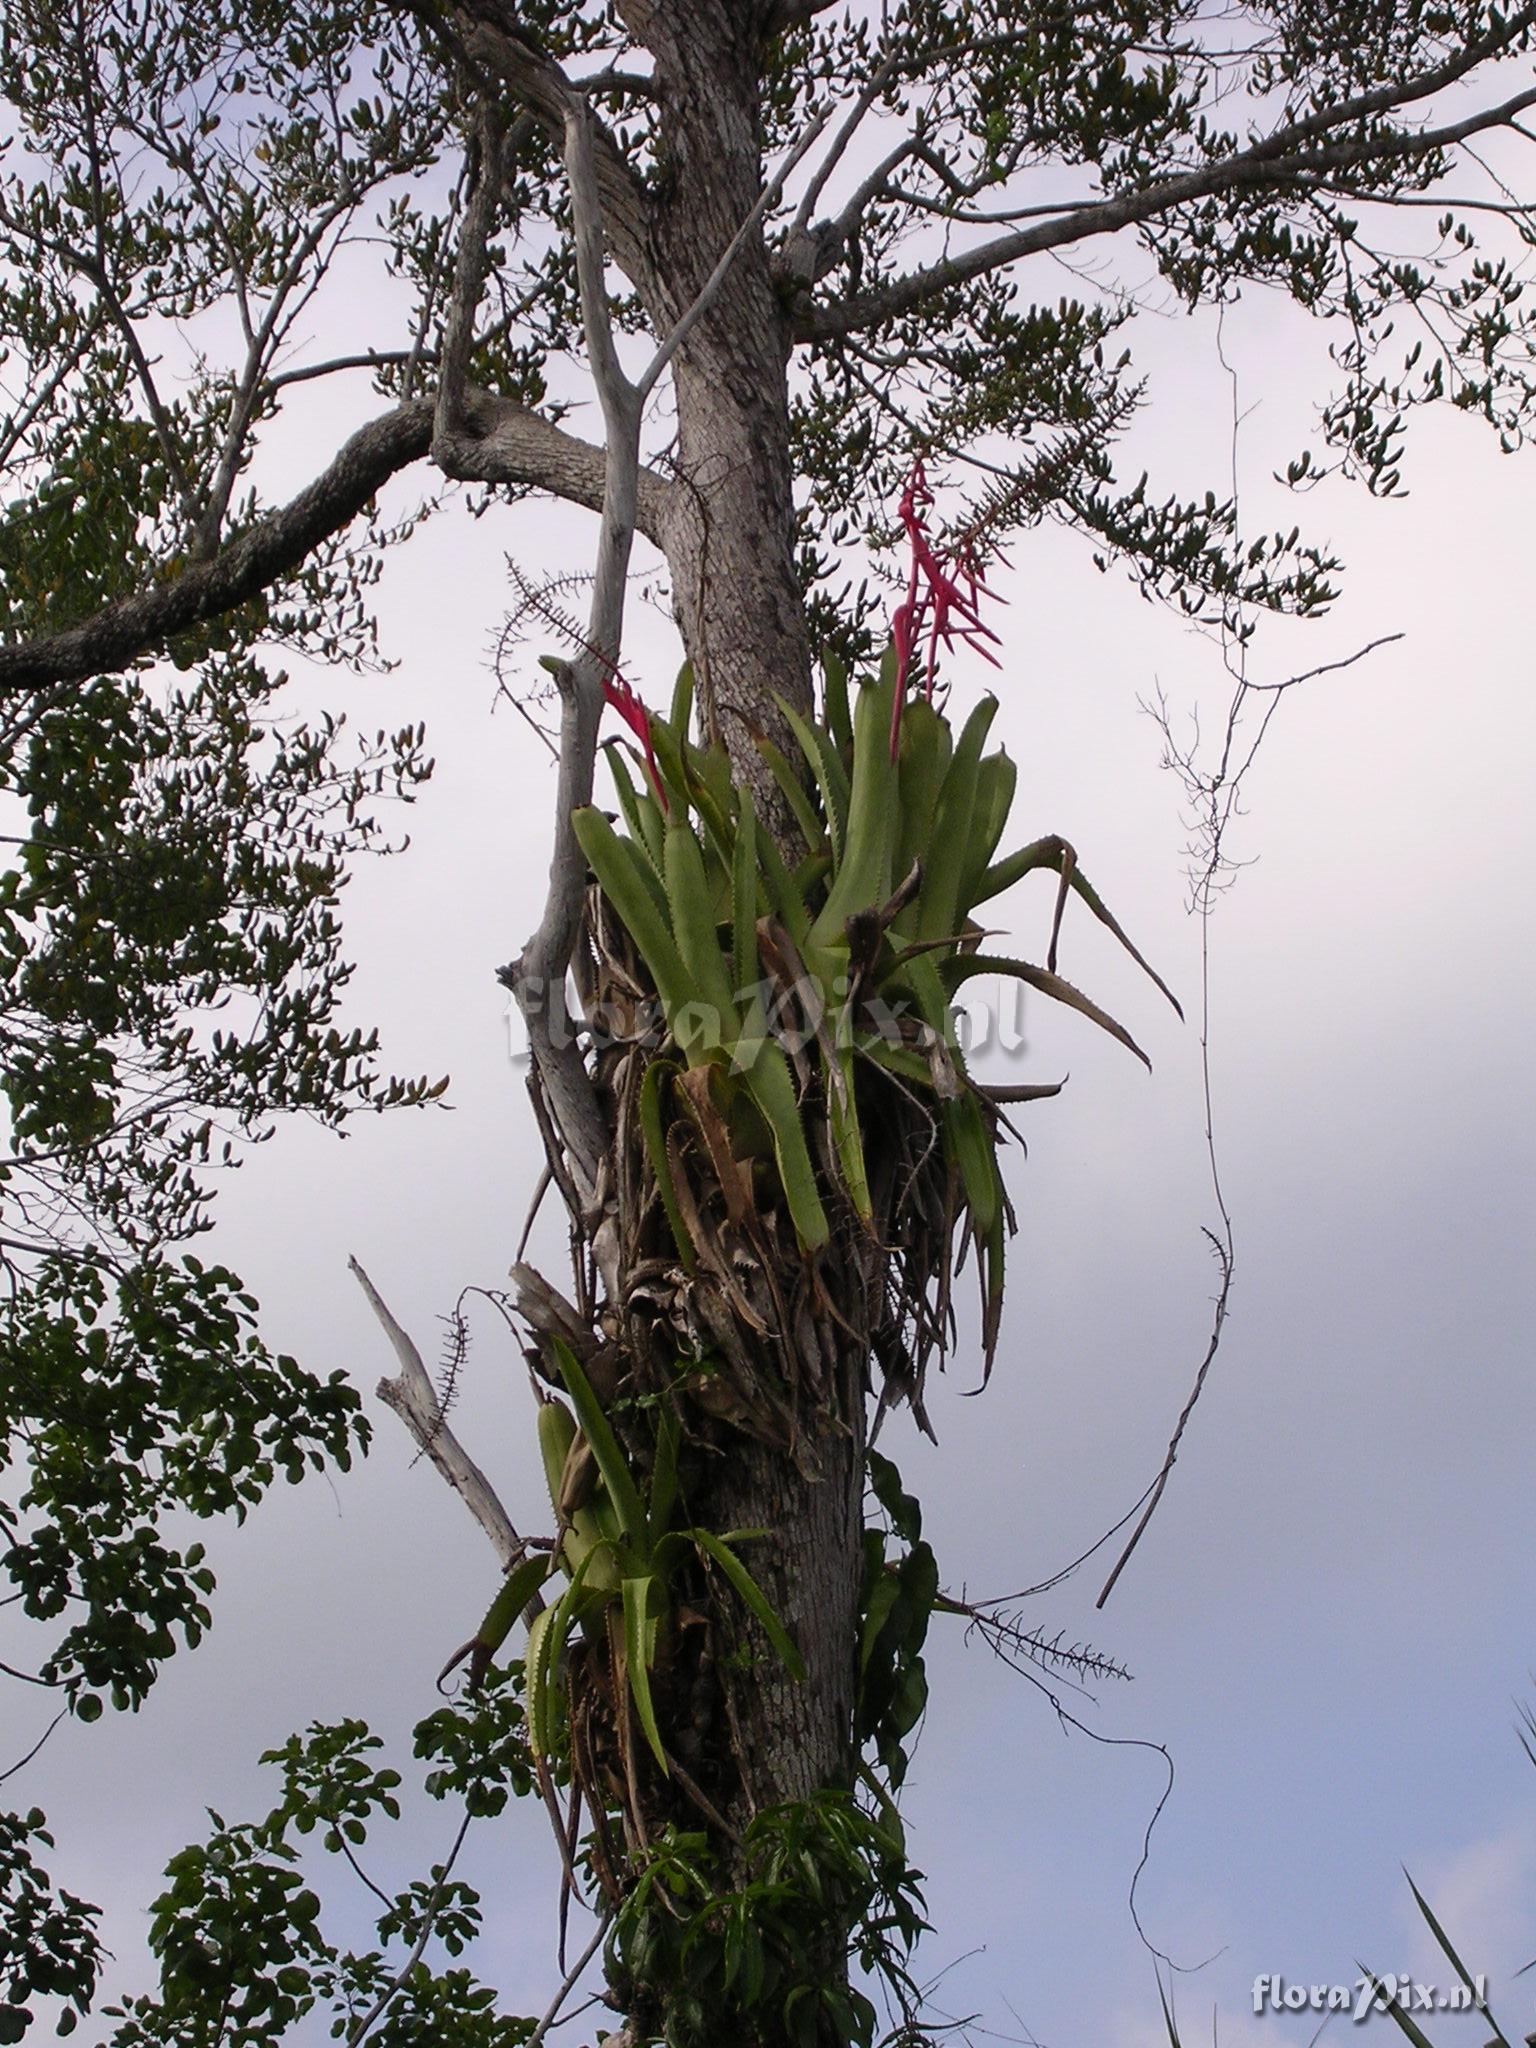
(413, 1398)
(507, 444)
(135, 626)
(1300, 149)
(847, 224)
(469, 273)
(847, 128)
(410, 359)
(490, 38)
(899, 63)
(613, 80)
(424, 1935)
(572, 1978)
(263, 342)
(369, 359)
(538, 978)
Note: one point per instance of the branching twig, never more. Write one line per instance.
(1217, 796)
(847, 128)
(1222, 1246)
(572, 1979)
(414, 1399)
(1329, 139)
(22, 1762)
(517, 447)
(469, 274)
(1006, 1636)
(428, 1920)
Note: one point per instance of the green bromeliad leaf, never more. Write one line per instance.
(880, 910)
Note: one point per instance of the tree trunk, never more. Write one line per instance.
(797, 1737)
(731, 550)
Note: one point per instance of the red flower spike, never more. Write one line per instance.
(944, 598)
(622, 697)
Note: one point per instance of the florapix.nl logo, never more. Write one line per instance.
(1369, 1995)
(796, 1013)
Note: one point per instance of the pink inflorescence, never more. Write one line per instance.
(942, 597)
(621, 696)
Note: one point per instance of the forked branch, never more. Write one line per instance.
(538, 978)
(413, 1398)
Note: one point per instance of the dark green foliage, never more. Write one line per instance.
(48, 1942)
(328, 1778)
(131, 1397)
(238, 1935)
(429, 2008)
(254, 139)
(479, 1746)
(734, 1961)
(1141, 97)
(236, 1940)
(171, 972)
(171, 965)
(898, 1598)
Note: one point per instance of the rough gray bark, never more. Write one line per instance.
(795, 1738)
(730, 544)
(730, 548)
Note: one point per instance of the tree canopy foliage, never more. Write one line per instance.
(792, 248)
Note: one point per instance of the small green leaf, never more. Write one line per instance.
(751, 1595)
(642, 813)
(831, 776)
(882, 1598)
(834, 675)
(519, 1587)
(654, 1131)
(664, 1475)
(793, 791)
(773, 1090)
(611, 1463)
(745, 969)
(682, 702)
(622, 871)
(710, 995)
(636, 1598)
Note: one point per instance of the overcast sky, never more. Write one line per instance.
(1329, 1621)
